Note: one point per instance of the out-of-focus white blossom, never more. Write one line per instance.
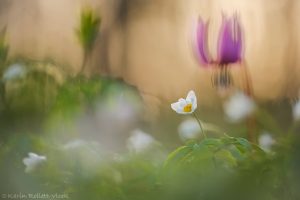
(33, 161)
(296, 111)
(73, 144)
(87, 153)
(238, 107)
(122, 106)
(266, 141)
(140, 141)
(15, 71)
(187, 105)
(189, 129)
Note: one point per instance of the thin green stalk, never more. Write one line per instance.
(199, 122)
(84, 61)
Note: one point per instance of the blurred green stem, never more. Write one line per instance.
(84, 61)
(200, 124)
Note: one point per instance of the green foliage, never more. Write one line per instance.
(3, 47)
(87, 33)
(215, 168)
(77, 92)
(80, 93)
(226, 152)
(210, 169)
(40, 80)
(88, 29)
(225, 168)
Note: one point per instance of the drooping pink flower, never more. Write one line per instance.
(202, 42)
(229, 50)
(230, 42)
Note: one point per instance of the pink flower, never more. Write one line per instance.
(230, 42)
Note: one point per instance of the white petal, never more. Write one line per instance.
(175, 106)
(32, 161)
(191, 97)
(194, 106)
(178, 107)
(180, 111)
(182, 102)
(27, 161)
(32, 155)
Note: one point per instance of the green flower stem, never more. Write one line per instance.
(84, 61)
(199, 122)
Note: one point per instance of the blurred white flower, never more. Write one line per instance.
(238, 107)
(14, 71)
(186, 106)
(33, 161)
(189, 129)
(296, 111)
(73, 144)
(266, 141)
(140, 141)
(87, 153)
(122, 106)
(86, 148)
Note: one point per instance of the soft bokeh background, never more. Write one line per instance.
(142, 41)
(106, 132)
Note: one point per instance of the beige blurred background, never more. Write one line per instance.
(148, 42)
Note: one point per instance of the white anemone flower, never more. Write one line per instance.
(139, 141)
(33, 161)
(296, 111)
(189, 129)
(238, 107)
(187, 105)
(266, 141)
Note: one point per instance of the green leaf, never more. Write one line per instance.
(88, 29)
(225, 158)
(177, 155)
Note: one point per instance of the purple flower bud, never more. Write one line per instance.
(201, 43)
(230, 41)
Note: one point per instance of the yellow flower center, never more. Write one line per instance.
(187, 108)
